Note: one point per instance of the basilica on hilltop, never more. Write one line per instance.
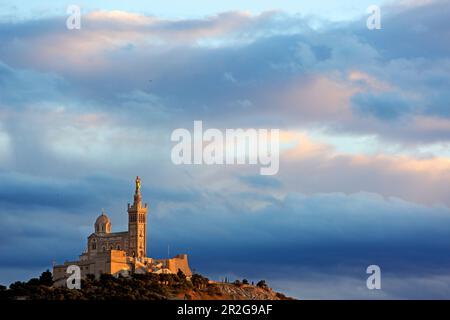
(121, 252)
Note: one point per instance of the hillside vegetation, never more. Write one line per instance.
(140, 287)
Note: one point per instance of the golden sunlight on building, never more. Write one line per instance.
(121, 252)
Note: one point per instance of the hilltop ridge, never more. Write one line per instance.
(148, 286)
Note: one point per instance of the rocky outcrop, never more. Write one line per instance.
(228, 291)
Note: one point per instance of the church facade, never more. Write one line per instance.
(121, 252)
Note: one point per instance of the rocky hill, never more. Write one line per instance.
(140, 287)
(231, 291)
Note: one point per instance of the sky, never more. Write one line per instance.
(180, 9)
(364, 120)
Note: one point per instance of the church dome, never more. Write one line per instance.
(102, 224)
(103, 218)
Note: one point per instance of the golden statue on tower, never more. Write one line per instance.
(138, 184)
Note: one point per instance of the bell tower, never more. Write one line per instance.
(137, 225)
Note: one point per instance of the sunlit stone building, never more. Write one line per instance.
(121, 252)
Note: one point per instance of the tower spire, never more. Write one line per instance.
(137, 225)
(137, 193)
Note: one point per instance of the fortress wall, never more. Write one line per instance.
(179, 262)
(118, 262)
(59, 273)
(110, 262)
(114, 262)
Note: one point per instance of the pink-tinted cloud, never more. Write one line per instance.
(315, 167)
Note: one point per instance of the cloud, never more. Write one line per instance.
(21, 88)
(261, 181)
(276, 61)
(322, 168)
(422, 29)
(352, 285)
(333, 236)
(53, 193)
(387, 106)
(81, 106)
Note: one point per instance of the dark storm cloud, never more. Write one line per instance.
(53, 193)
(334, 235)
(69, 195)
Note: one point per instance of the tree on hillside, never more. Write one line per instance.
(262, 284)
(46, 278)
(181, 275)
(198, 281)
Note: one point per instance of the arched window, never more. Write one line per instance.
(118, 247)
(104, 248)
(94, 245)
